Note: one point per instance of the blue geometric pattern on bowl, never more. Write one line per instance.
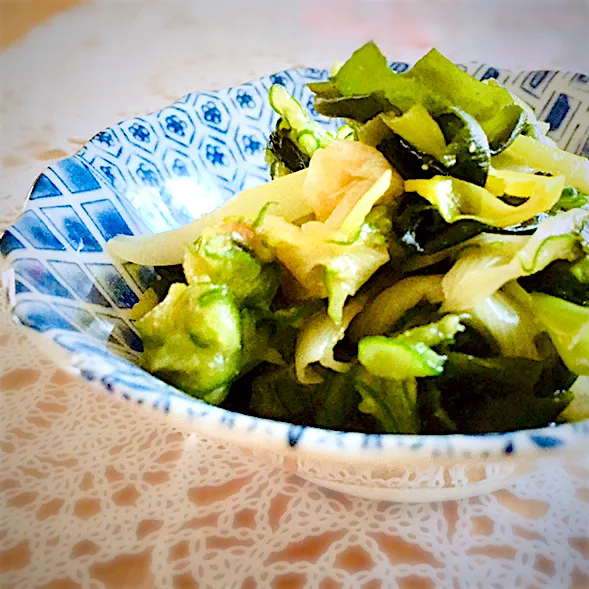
(163, 170)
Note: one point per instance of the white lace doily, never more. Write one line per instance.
(96, 496)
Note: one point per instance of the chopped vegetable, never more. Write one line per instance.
(258, 341)
(332, 404)
(503, 128)
(438, 332)
(277, 394)
(433, 81)
(481, 271)
(580, 270)
(565, 280)
(324, 89)
(532, 126)
(220, 259)
(500, 394)
(396, 358)
(434, 418)
(408, 354)
(467, 155)
(340, 175)
(410, 162)
(305, 133)
(367, 72)
(317, 340)
(571, 198)
(510, 324)
(322, 266)
(193, 340)
(568, 327)
(444, 82)
(453, 143)
(424, 269)
(421, 228)
(521, 184)
(419, 129)
(167, 249)
(146, 303)
(381, 315)
(530, 152)
(296, 136)
(393, 403)
(339, 402)
(359, 107)
(457, 200)
(283, 155)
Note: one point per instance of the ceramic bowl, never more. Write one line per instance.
(161, 171)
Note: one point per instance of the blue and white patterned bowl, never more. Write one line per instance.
(159, 172)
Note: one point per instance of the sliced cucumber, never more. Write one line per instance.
(193, 339)
(393, 358)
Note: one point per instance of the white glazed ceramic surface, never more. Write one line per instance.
(162, 170)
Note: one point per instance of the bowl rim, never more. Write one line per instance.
(282, 436)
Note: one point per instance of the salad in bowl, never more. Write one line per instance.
(422, 270)
(377, 277)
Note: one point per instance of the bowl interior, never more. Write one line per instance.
(160, 171)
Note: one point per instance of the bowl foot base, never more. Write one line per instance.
(418, 495)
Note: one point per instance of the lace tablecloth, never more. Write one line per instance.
(97, 496)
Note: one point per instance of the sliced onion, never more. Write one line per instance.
(166, 249)
(459, 200)
(340, 174)
(480, 272)
(510, 324)
(317, 339)
(575, 168)
(380, 315)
